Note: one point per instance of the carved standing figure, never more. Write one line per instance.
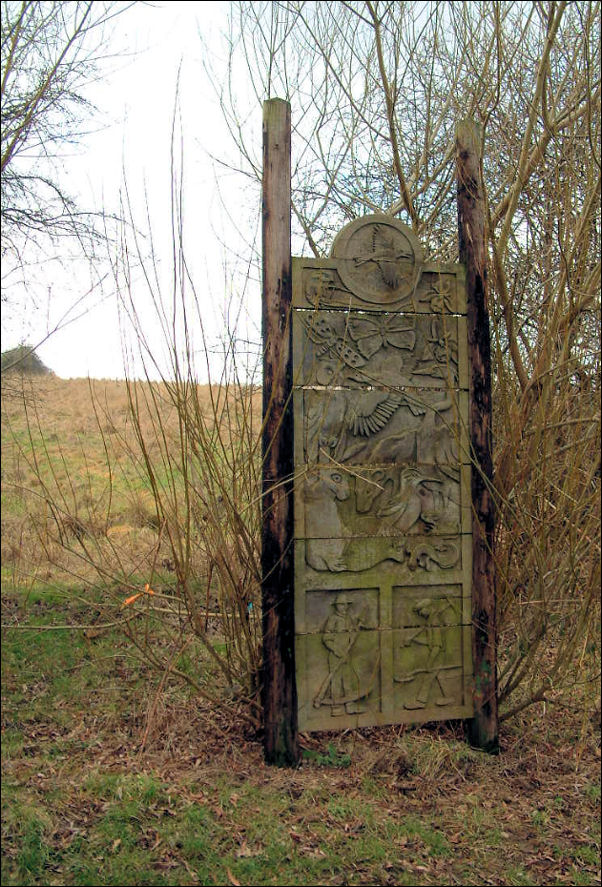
(342, 689)
(432, 636)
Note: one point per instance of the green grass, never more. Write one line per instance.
(112, 775)
(82, 804)
(332, 758)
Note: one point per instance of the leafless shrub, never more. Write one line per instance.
(376, 92)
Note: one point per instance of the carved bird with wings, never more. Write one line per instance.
(385, 255)
(351, 421)
(371, 411)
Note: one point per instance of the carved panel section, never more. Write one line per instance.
(413, 560)
(431, 649)
(356, 427)
(391, 500)
(358, 349)
(341, 649)
(370, 655)
(437, 289)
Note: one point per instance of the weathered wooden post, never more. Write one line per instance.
(483, 727)
(279, 696)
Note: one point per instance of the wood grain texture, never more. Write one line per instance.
(279, 693)
(483, 727)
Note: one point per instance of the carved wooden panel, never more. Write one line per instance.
(376, 425)
(439, 289)
(382, 483)
(362, 349)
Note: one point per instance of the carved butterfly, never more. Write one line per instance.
(373, 333)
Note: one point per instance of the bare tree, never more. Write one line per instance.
(376, 90)
(51, 52)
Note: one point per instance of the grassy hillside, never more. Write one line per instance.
(72, 466)
(131, 746)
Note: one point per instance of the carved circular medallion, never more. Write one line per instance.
(380, 259)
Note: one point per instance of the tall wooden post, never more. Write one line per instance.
(279, 691)
(483, 727)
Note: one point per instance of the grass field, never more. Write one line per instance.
(113, 772)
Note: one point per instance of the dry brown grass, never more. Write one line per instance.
(145, 493)
(125, 487)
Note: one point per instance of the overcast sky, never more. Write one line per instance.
(132, 143)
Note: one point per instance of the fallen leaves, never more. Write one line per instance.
(467, 826)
